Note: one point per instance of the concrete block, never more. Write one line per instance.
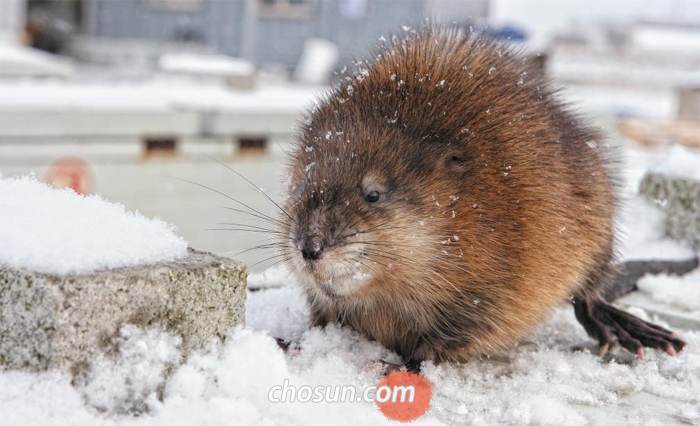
(680, 199)
(64, 321)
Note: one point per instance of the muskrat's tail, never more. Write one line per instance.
(628, 273)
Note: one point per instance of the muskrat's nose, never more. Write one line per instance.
(312, 248)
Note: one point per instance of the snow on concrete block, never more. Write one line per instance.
(680, 199)
(64, 321)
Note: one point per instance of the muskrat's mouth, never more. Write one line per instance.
(335, 281)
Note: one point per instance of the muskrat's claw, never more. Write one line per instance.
(283, 344)
(411, 365)
(610, 326)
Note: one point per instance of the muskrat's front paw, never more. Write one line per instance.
(283, 344)
(290, 347)
(610, 326)
(411, 365)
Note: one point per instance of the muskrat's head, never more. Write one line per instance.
(362, 200)
(402, 172)
(374, 183)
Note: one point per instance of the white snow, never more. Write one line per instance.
(641, 223)
(679, 161)
(16, 60)
(542, 18)
(541, 382)
(667, 39)
(642, 234)
(272, 277)
(202, 64)
(158, 94)
(57, 231)
(584, 67)
(122, 382)
(682, 293)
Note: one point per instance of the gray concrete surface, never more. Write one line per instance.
(64, 321)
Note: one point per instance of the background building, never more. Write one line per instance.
(12, 20)
(119, 97)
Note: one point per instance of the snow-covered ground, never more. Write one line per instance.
(543, 381)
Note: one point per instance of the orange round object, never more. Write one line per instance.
(403, 396)
(73, 173)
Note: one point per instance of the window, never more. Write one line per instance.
(252, 145)
(286, 9)
(160, 146)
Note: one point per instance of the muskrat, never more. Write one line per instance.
(441, 200)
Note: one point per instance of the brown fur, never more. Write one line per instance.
(496, 205)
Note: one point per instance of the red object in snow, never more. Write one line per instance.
(73, 173)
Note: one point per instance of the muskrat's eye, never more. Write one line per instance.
(373, 196)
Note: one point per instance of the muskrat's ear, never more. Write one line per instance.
(455, 162)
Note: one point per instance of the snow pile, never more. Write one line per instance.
(679, 161)
(541, 382)
(60, 232)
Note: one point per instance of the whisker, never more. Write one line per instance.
(386, 253)
(363, 263)
(249, 226)
(240, 229)
(260, 247)
(227, 196)
(350, 225)
(257, 188)
(390, 220)
(265, 260)
(373, 260)
(367, 231)
(377, 243)
(279, 144)
(248, 213)
(279, 261)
